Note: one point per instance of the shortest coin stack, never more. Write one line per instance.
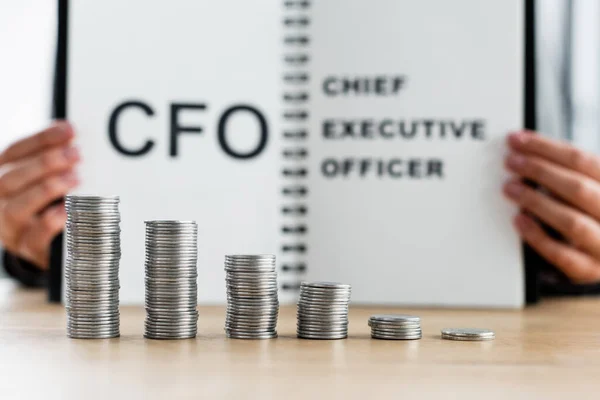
(395, 327)
(323, 310)
(468, 334)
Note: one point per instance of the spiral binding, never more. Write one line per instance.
(300, 135)
(296, 59)
(297, 153)
(295, 117)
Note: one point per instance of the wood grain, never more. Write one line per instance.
(550, 351)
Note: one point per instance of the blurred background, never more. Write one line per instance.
(568, 68)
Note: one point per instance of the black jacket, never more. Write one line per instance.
(23, 271)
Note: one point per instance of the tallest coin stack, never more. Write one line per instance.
(92, 267)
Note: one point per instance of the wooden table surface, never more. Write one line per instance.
(548, 351)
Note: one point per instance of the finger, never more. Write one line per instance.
(59, 133)
(577, 189)
(582, 231)
(21, 208)
(576, 265)
(33, 169)
(557, 152)
(35, 241)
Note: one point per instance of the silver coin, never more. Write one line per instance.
(323, 314)
(174, 255)
(394, 318)
(173, 282)
(381, 337)
(248, 332)
(161, 336)
(325, 290)
(261, 282)
(162, 304)
(97, 298)
(233, 290)
(393, 325)
(325, 285)
(89, 311)
(111, 279)
(248, 270)
(95, 293)
(96, 263)
(396, 333)
(302, 335)
(250, 335)
(86, 320)
(322, 322)
(231, 321)
(170, 325)
(320, 307)
(252, 275)
(395, 328)
(108, 330)
(186, 234)
(173, 317)
(468, 332)
(75, 335)
(181, 334)
(322, 328)
(240, 257)
(265, 319)
(266, 314)
(243, 295)
(107, 281)
(90, 327)
(267, 277)
(165, 294)
(249, 329)
(317, 298)
(322, 302)
(328, 293)
(166, 327)
(103, 243)
(468, 339)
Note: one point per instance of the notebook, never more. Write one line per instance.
(360, 141)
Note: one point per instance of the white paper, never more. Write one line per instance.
(428, 241)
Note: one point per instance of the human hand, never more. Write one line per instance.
(34, 173)
(571, 205)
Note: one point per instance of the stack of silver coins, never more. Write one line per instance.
(171, 280)
(395, 327)
(468, 334)
(92, 267)
(252, 302)
(323, 310)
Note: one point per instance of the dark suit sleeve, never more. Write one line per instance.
(555, 283)
(23, 271)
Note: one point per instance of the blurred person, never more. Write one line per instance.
(39, 170)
